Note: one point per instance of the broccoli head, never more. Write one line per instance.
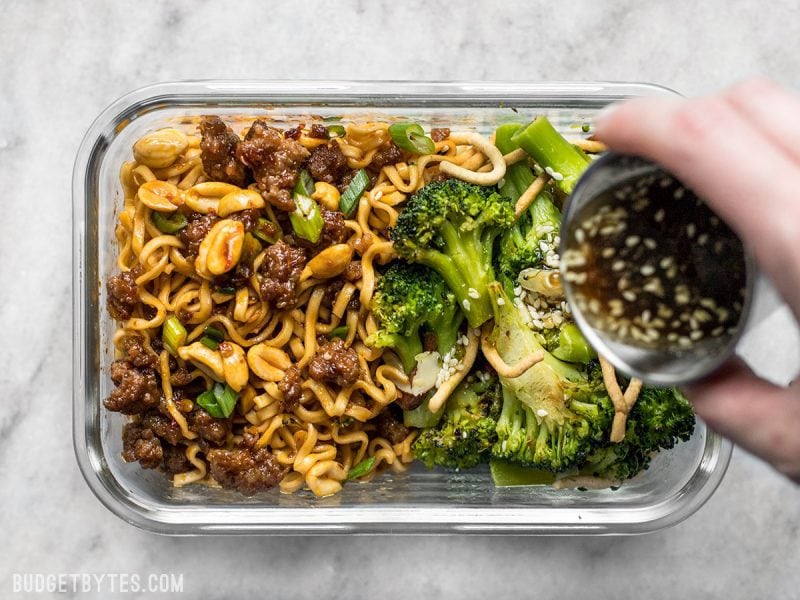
(660, 418)
(465, 434)
(519, 247)
(451, 226)
(411, 301)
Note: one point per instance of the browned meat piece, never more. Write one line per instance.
(440, 134)
(439, 176)
(390, 428)
(294, 133)
(387, 154)
(275, 161)
(218, 152)
(318, 131)
(353, 272)
(409, 402)
(327, 163)
(247, 471)
(164, 427)
(122, 296)
(429, 341)
(332, 291)
(180, 377)
(248, 218)
(175, 460)
(236, 279)
(137, 389)
(334, 231)
(207, 427)
(281, 269)
(136, 351)
(140, 443)
(335, 363)
(195, 231)
(290, 387)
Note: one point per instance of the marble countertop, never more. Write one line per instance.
(62, 63)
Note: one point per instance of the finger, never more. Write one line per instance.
(761, 418)
(774, 111)
(742, 175)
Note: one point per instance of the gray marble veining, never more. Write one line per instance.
(61, 63)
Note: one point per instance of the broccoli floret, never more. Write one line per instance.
(450, 226)
(411, 301)
(553, 414)
(465, 433)
(660, 418)
(519, 246)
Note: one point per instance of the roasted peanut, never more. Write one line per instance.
(221, 249)
(239, 200)
(160, 196)
(268, 362)
(234, 365)
(326, 194)
(207, 360)
(160, 148)
(204, 197)
(329, 263)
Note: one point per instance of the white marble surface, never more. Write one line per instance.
(61, 63)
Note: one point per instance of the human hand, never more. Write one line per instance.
(739, 150)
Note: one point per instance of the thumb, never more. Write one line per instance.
(762, 418)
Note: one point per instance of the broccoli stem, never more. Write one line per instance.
(463, 269)
(519, 176)
(552, 152)
(407, 348)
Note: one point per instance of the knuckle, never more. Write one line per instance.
(160, 196)
(239, 200)
(221, 249)
(160, 148)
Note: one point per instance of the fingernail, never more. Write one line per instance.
(605, 112)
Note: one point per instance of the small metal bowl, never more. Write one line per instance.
(663, 364)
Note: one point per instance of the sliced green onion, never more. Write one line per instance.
(411, 138)
(209, 342)
(336, 131)
(306, 219)
(349, 200)
(267, 231)
(227, 290)
(361, 469)
(305, 184)
(173, 334)
(215, 333)
(226, 398)
(168, 223)
(340, 332)
(219, 401)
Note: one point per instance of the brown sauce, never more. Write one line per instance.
(651, 265)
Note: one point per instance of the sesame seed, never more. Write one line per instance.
(678, 194)
(631, 241)
(629, 296)
(659, 216)
(647, 270)
(618, 265)
(466, 304)
(691, 229)
(607, 252)
(473, 293)
(500, 302)
(650, 243)
(541, 412)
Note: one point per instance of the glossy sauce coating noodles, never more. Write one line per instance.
(220, 300)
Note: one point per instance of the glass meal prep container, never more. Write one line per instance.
(419, 500)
